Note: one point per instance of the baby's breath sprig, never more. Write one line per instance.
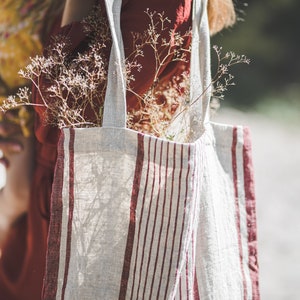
(69, 85)
(222, 78)
(158, 104)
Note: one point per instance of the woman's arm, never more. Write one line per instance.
(76, 10)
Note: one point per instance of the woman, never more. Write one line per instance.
(21, 272)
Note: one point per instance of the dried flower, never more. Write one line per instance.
(76, 83)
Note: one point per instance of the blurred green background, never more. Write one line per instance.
(267, 32)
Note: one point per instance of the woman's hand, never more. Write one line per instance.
(8, 144)
(18, 159)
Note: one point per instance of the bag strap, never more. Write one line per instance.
(114, 114)
(200, 69)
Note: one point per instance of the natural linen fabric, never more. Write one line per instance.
(138, 217)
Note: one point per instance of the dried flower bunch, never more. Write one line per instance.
(222, 78)
(70, 85)
(159, 104)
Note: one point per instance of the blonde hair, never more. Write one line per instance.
(221, 14)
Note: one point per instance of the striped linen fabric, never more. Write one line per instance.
(144, 218)
(124, 221)
(226, 251)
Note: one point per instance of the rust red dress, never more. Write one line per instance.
(23, 258)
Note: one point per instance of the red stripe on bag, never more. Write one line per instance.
(195, 284)
(169, 221)
(196, 287)
(187, 290)
(54, 236)
(132, 223)
(71, 209)
(155, 206)
(251, 214)
(141, 218)
(196, 295)
(176, 218)
(155, 220)
(161, 226)
(237, 206)
(148, 218)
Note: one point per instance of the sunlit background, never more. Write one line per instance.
(267, 99)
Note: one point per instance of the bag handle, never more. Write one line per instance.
(200, 72)
(114, 114)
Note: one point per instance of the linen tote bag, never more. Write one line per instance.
(138, 217)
